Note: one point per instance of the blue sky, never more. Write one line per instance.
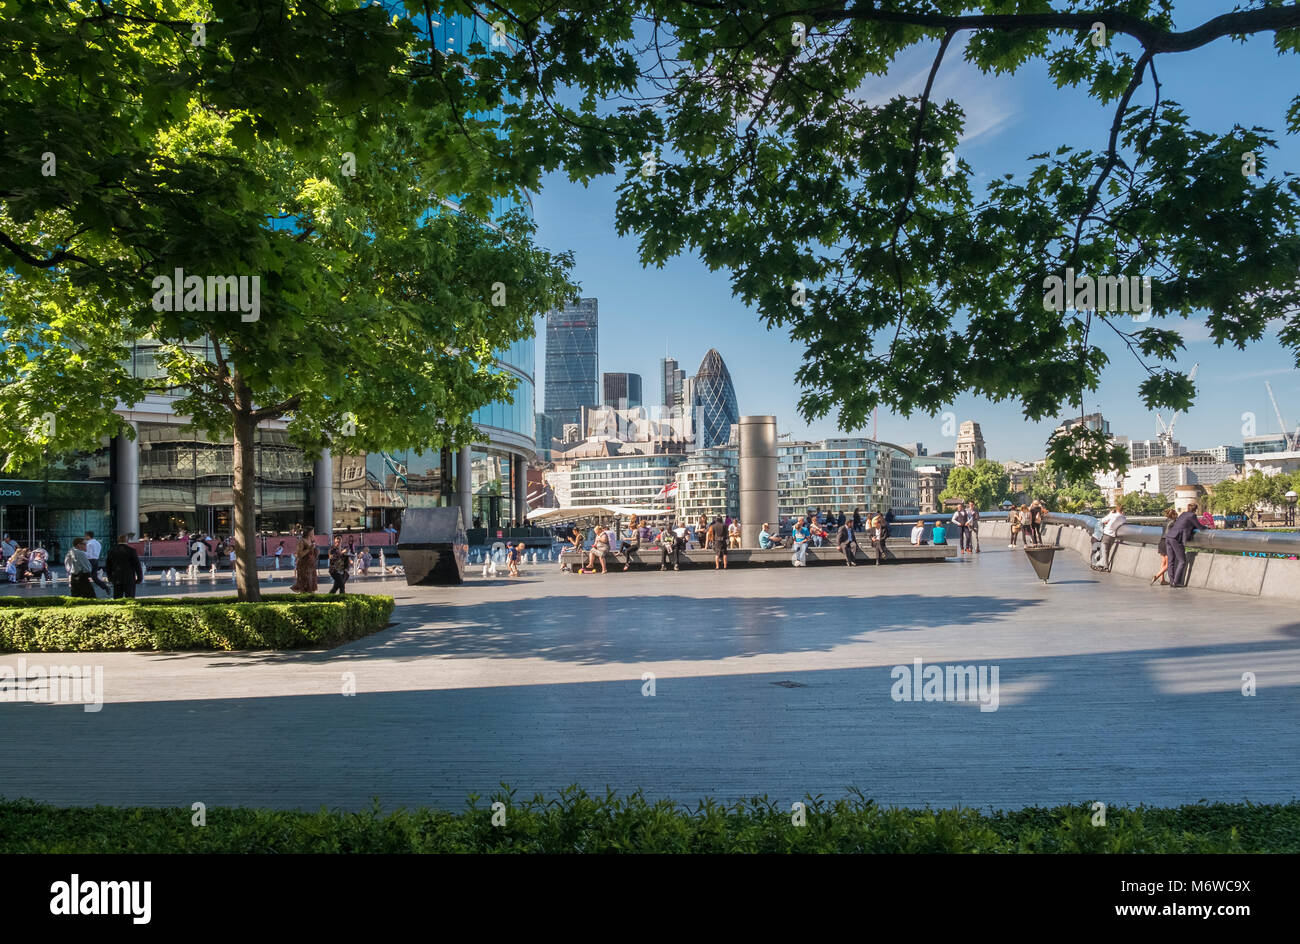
(683, 309)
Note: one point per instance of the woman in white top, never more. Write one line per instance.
(918, 532)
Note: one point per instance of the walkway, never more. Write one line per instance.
(769, 682)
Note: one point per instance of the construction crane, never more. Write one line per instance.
(1166, 437)
(1289, 442)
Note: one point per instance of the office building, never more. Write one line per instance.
(708, 483)
(843, 474)
(1259, 445)
(572, 345)
(713, 401)
(671, 381)
(621, 391)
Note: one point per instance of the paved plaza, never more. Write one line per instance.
(767, 681)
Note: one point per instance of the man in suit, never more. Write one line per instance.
(124, 571)
(1176, 544)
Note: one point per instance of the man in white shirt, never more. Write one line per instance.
(1110, 526)
(918, 533)
(94, 550)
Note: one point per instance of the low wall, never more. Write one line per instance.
(895, 553)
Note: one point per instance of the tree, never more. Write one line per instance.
(987, 483)
(856, 225)
(376, 311)
(1058, 490)
(1138, 504)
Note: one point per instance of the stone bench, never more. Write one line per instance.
(896, 552)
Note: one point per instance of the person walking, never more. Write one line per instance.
(801, 536)
(1162, 548)
(340, 566)
(844, 541)
(306, 562)
(123, 568)
(77, 565)
(959, 528)
(95, 551)
(1013, 522)
(1036, 512)
(279, 553)
(721, 541)
(514, 552)
(1110, 526)
(1176, 542)
(973, 523)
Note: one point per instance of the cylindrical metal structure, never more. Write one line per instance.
(323, 476)
(465, 484)
(757, 476)
(126, 486)
(519, 477)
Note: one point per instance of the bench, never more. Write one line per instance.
(827, 555)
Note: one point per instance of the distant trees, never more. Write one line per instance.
(1253, 494)
(986, 483)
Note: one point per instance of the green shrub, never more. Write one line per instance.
(278, 621)
(578, 822)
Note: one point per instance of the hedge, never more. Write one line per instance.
(279, 621)
(578, 822)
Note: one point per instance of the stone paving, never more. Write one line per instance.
(767, 682)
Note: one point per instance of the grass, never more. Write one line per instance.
(575, 821)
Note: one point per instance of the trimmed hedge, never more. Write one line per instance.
(279, 621)
(577, 822)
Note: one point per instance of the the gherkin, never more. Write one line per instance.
(713, 402)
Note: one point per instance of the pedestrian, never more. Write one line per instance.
(702, 532)
(123, 568)
(363, 561)
(513, 554)
(1013, 520)
(279, 553)
(961, 529)
(973, 522)
(721, 541)
(1110, 526)
(306, 563)
(77, 565)
(340, 566)
(1162, 548)
(801, 536)
(1036, 512)
(94, 551)
(1176, 542)
(844, 541)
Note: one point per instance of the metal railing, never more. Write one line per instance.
(1230, 541)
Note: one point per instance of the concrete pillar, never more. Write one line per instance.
(465, 484)
(323, 474)
(519, 476)
(126, 486)
(757, 476)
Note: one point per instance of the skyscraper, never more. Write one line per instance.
(571, 354)
(671, 379)
(713, 401)
(622, 391)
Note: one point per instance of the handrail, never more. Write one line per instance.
(1270, 542)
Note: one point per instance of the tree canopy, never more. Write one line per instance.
(986, 483)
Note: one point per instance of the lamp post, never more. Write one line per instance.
(1290, 508)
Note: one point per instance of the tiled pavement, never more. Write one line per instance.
(773, 682)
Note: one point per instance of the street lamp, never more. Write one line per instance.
(1290, 508)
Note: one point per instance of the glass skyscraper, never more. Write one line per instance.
(713, 402)
(571, 361)
(622, 391)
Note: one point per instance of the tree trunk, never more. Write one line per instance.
(245, 508)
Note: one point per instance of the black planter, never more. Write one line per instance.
(1041, 559)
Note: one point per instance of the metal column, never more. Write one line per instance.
(323, 474)
(757, 476)
(465, 484)
(126, 486)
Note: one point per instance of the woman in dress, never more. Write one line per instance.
(306, 561)
(1163, 548)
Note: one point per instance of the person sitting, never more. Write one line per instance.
(844, 541)
(765, 539)
(939, 535)
(733, 533)
(599, 551)
(38, 564)
(918, 534)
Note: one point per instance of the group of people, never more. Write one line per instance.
(22, 564)
(1027, 523)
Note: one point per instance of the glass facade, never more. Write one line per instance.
(623, 480)
(708, 483)
(59, 503)
(843, 474)
(621, 391)
(713, 401)
(572, 343)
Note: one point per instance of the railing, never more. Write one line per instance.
(1217, 539)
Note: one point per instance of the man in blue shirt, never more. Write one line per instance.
(765, 537)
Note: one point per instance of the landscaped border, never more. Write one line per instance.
(278, 621)
(578, 822)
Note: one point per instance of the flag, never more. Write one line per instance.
(668, 491)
